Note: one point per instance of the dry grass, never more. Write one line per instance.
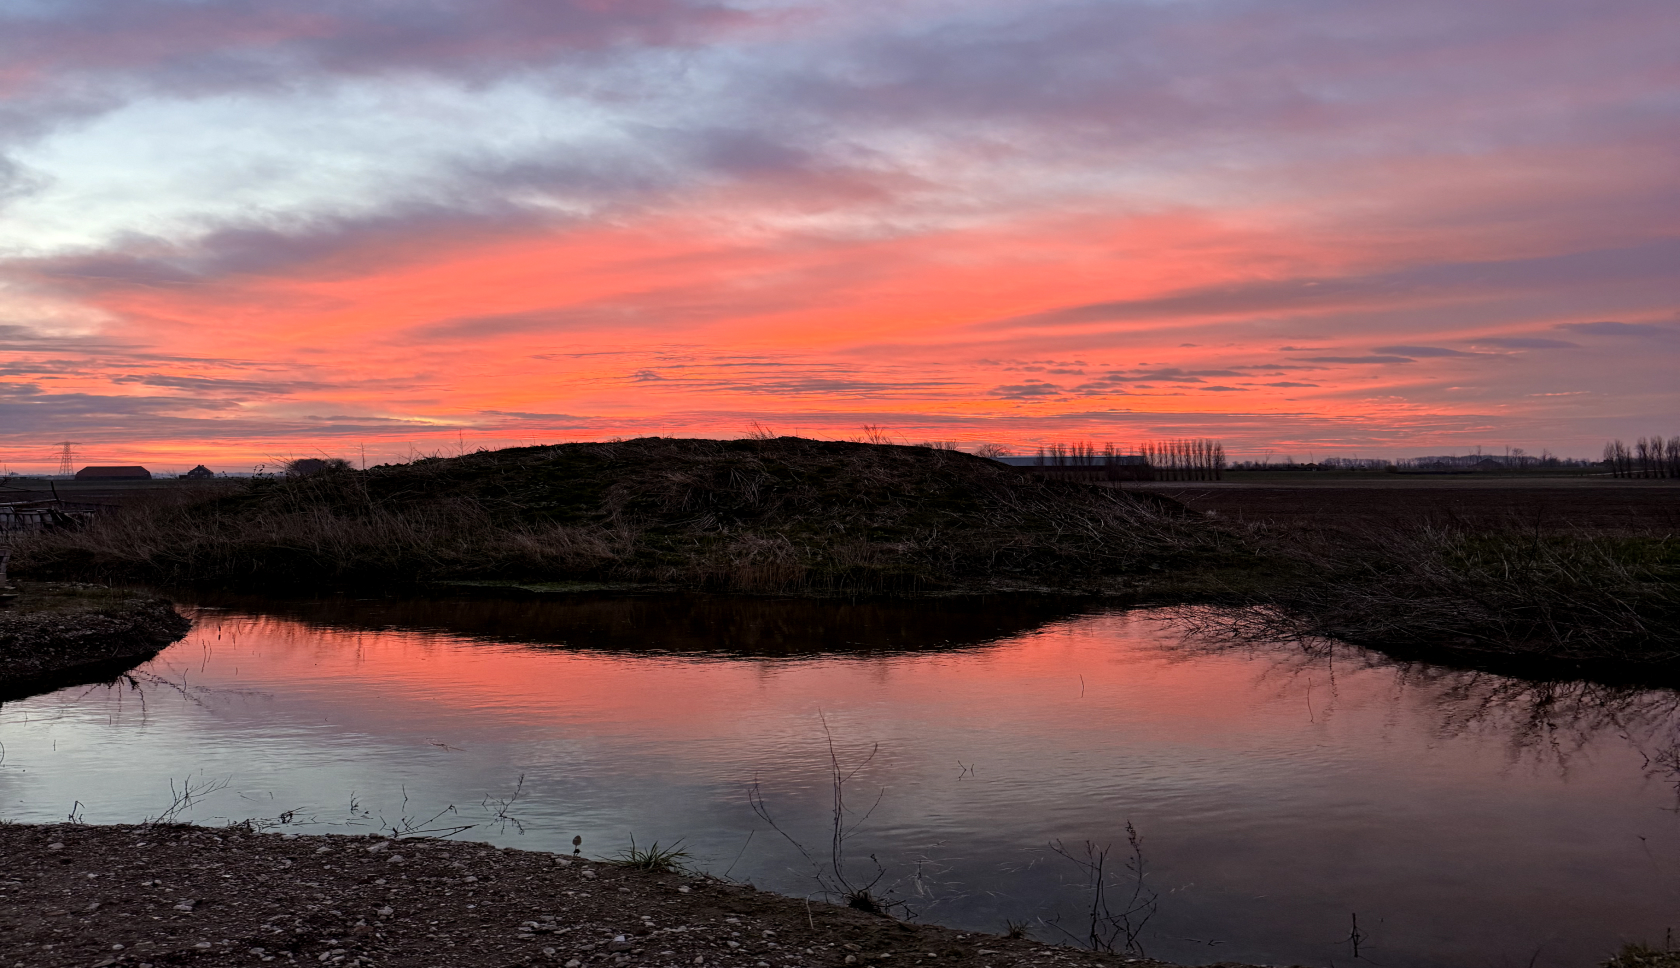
(1510, 593)
(784, 514)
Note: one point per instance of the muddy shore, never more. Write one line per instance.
(57, 634)
(73, 894)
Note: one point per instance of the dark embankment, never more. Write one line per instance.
(1547, 578)
(783, 515)
(1518, 600)
(58, 635)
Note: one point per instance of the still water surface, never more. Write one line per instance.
(1467, 819)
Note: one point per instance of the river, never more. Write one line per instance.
(1289, 802)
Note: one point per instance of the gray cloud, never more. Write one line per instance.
(216, 385)
(1612, 328)
(1420, 351)
(219, 45)
(1649, 263)
(1526, 343)
(1030, 390)
(1358, 359)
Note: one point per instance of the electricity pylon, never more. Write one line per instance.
(65, 456)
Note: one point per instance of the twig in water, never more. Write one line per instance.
(832, 876)
(1110, 930)
(182, 799)
(1356, 937)
(499, 812)
(739, 854)
(409, 828)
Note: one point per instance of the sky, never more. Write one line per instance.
(237, 231)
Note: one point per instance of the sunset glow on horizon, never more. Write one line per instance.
(238, 232)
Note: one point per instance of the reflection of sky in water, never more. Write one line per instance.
(1466, 820)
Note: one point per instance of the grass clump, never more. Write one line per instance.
(779, 515)
(660, 860)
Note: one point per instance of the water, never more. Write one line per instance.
(1466, 819)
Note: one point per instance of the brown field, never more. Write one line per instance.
(1598, 504)
(101, 492)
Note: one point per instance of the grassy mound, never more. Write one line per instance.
(787, 514)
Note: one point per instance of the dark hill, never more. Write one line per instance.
(787, 514)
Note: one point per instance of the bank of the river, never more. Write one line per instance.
(1513, 586)
(81, 895)
(55, 630)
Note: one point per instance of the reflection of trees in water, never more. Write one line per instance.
(1551, 720)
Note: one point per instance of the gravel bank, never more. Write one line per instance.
(59, 629)
(176, 895)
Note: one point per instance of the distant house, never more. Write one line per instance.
(199, 473)
(129, 473)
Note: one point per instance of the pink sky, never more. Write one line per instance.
(235, 232)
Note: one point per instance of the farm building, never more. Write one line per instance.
(128, 473)
(199, 473)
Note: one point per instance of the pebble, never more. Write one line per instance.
(385, 911)
(55, 846)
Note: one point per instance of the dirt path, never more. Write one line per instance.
(175, 895)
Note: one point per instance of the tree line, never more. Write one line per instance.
(1168, 460)
(1197, 459)
(1648, 457)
